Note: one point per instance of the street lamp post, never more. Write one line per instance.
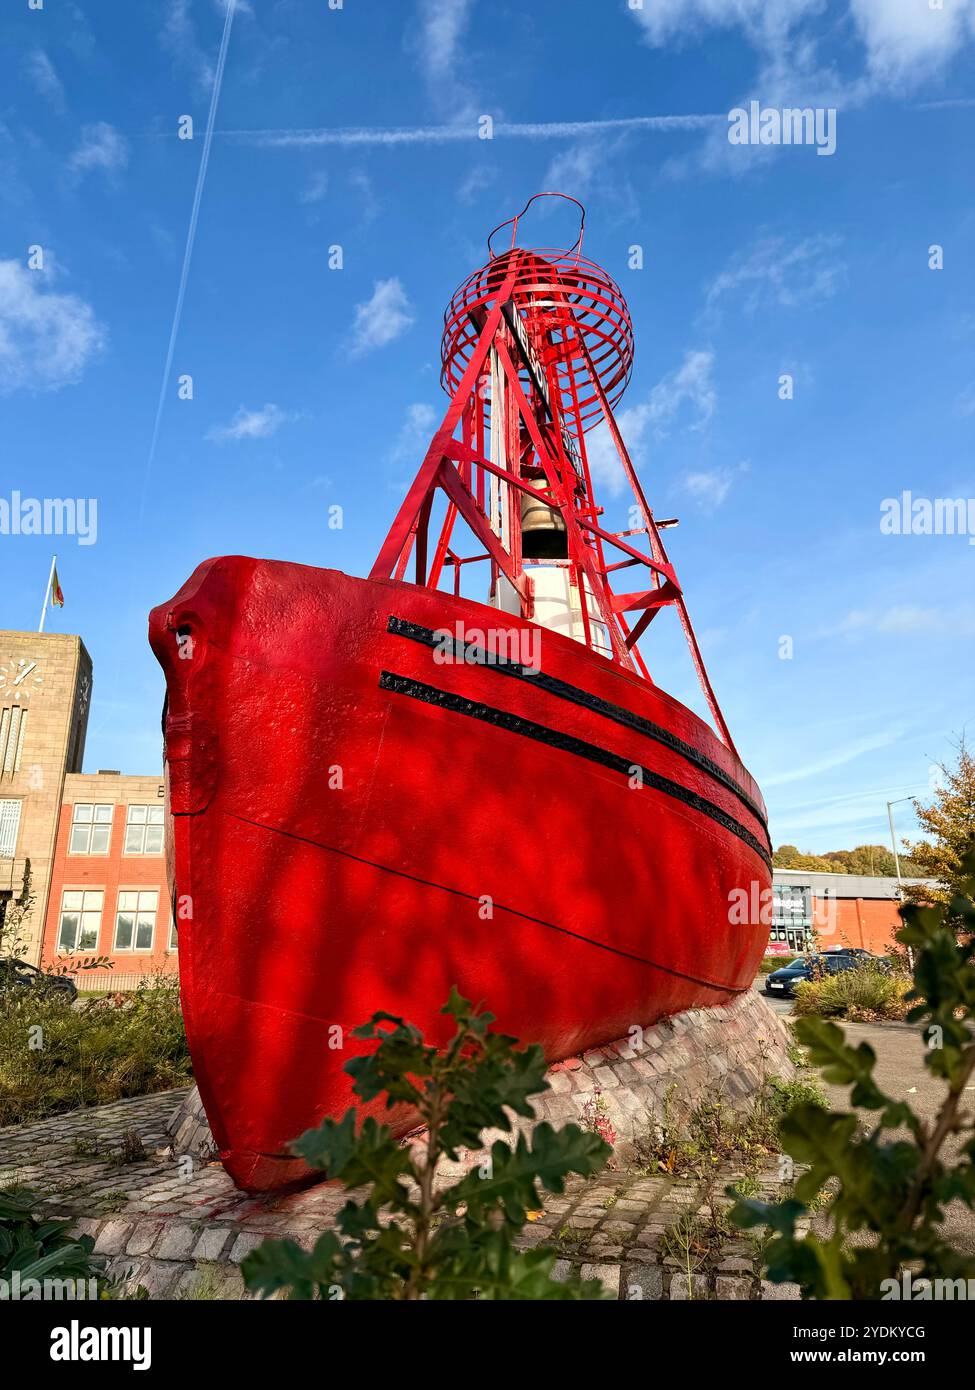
(893, 837)
(897, 861)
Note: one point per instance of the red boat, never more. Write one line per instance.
(379, 789)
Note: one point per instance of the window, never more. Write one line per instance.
(135, 921)
(791, 905)
(81, 917)
(91, 829)
(144, 830)
(173, 936)
(9, 826)
(13, 727)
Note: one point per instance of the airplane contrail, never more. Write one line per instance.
(190, 239)
(444, 134)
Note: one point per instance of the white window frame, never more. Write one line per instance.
(80, 823)
(152, 817)
(85, 909)
(136, 913)
(9, 828)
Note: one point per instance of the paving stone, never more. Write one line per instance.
(779, 1292)
(177, 1241)
(158, 1277)
(112, 1237)
(243, 1245)
(681, 1288)
(607, 1274)
(644, 1282)
(211, 1243)
(143, 1237)
(732, 1289)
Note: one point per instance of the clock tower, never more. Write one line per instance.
(45, 692)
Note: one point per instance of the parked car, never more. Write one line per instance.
(783, 982)
(19, 973)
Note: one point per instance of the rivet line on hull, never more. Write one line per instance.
(568, 743)
(401, 627)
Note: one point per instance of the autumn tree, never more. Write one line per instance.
(950, 823)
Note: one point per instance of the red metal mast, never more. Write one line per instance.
(537, 349)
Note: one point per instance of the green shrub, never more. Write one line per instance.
(54, 1057)
(886, 1167)
(37, 1249)
(409, 1237)
(860, 995)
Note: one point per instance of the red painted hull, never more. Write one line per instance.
(357, 825)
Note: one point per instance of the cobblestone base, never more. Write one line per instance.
(175, 1224)
(630, 1082)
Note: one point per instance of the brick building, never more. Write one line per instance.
(93, 841)
(843, 910)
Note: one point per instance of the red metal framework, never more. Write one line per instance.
(537, 349)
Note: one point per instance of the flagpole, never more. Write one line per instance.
(47, 593)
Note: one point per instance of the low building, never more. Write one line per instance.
(108, 886)
(87, 847)
(840, 909)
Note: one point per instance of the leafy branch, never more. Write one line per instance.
(409, 1234)
(894, 1179)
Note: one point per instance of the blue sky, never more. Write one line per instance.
(314, 387)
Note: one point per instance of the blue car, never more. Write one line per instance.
(782, 983)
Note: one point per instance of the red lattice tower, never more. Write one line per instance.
(537, 350)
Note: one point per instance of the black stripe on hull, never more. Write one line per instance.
(476, 656)
(568, 743)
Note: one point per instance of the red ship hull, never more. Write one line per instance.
(358, 823)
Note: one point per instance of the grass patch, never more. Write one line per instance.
(54, 1057)
(862, 996)
(714, 1132)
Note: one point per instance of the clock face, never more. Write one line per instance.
(20, 678)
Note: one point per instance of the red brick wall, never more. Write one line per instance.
(112, 873)
(869, 923)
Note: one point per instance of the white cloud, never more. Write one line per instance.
(442, 27)
(478, 178)
(907, 41)
(370, 204)
(906, 619)
(588, 170)
(909, 618)
(102, 147)
(382, 318)
(781, 273)
(686, 393)
(315, 189)
(440, 44)
(711, 487)
(904, 41)
(690, 384)
(178, 36)
(251, 424)
(838, 757)
(42, 73)
(415, 434)
(764, 21)
(46, 339)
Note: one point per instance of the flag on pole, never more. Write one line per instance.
(57, 593)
